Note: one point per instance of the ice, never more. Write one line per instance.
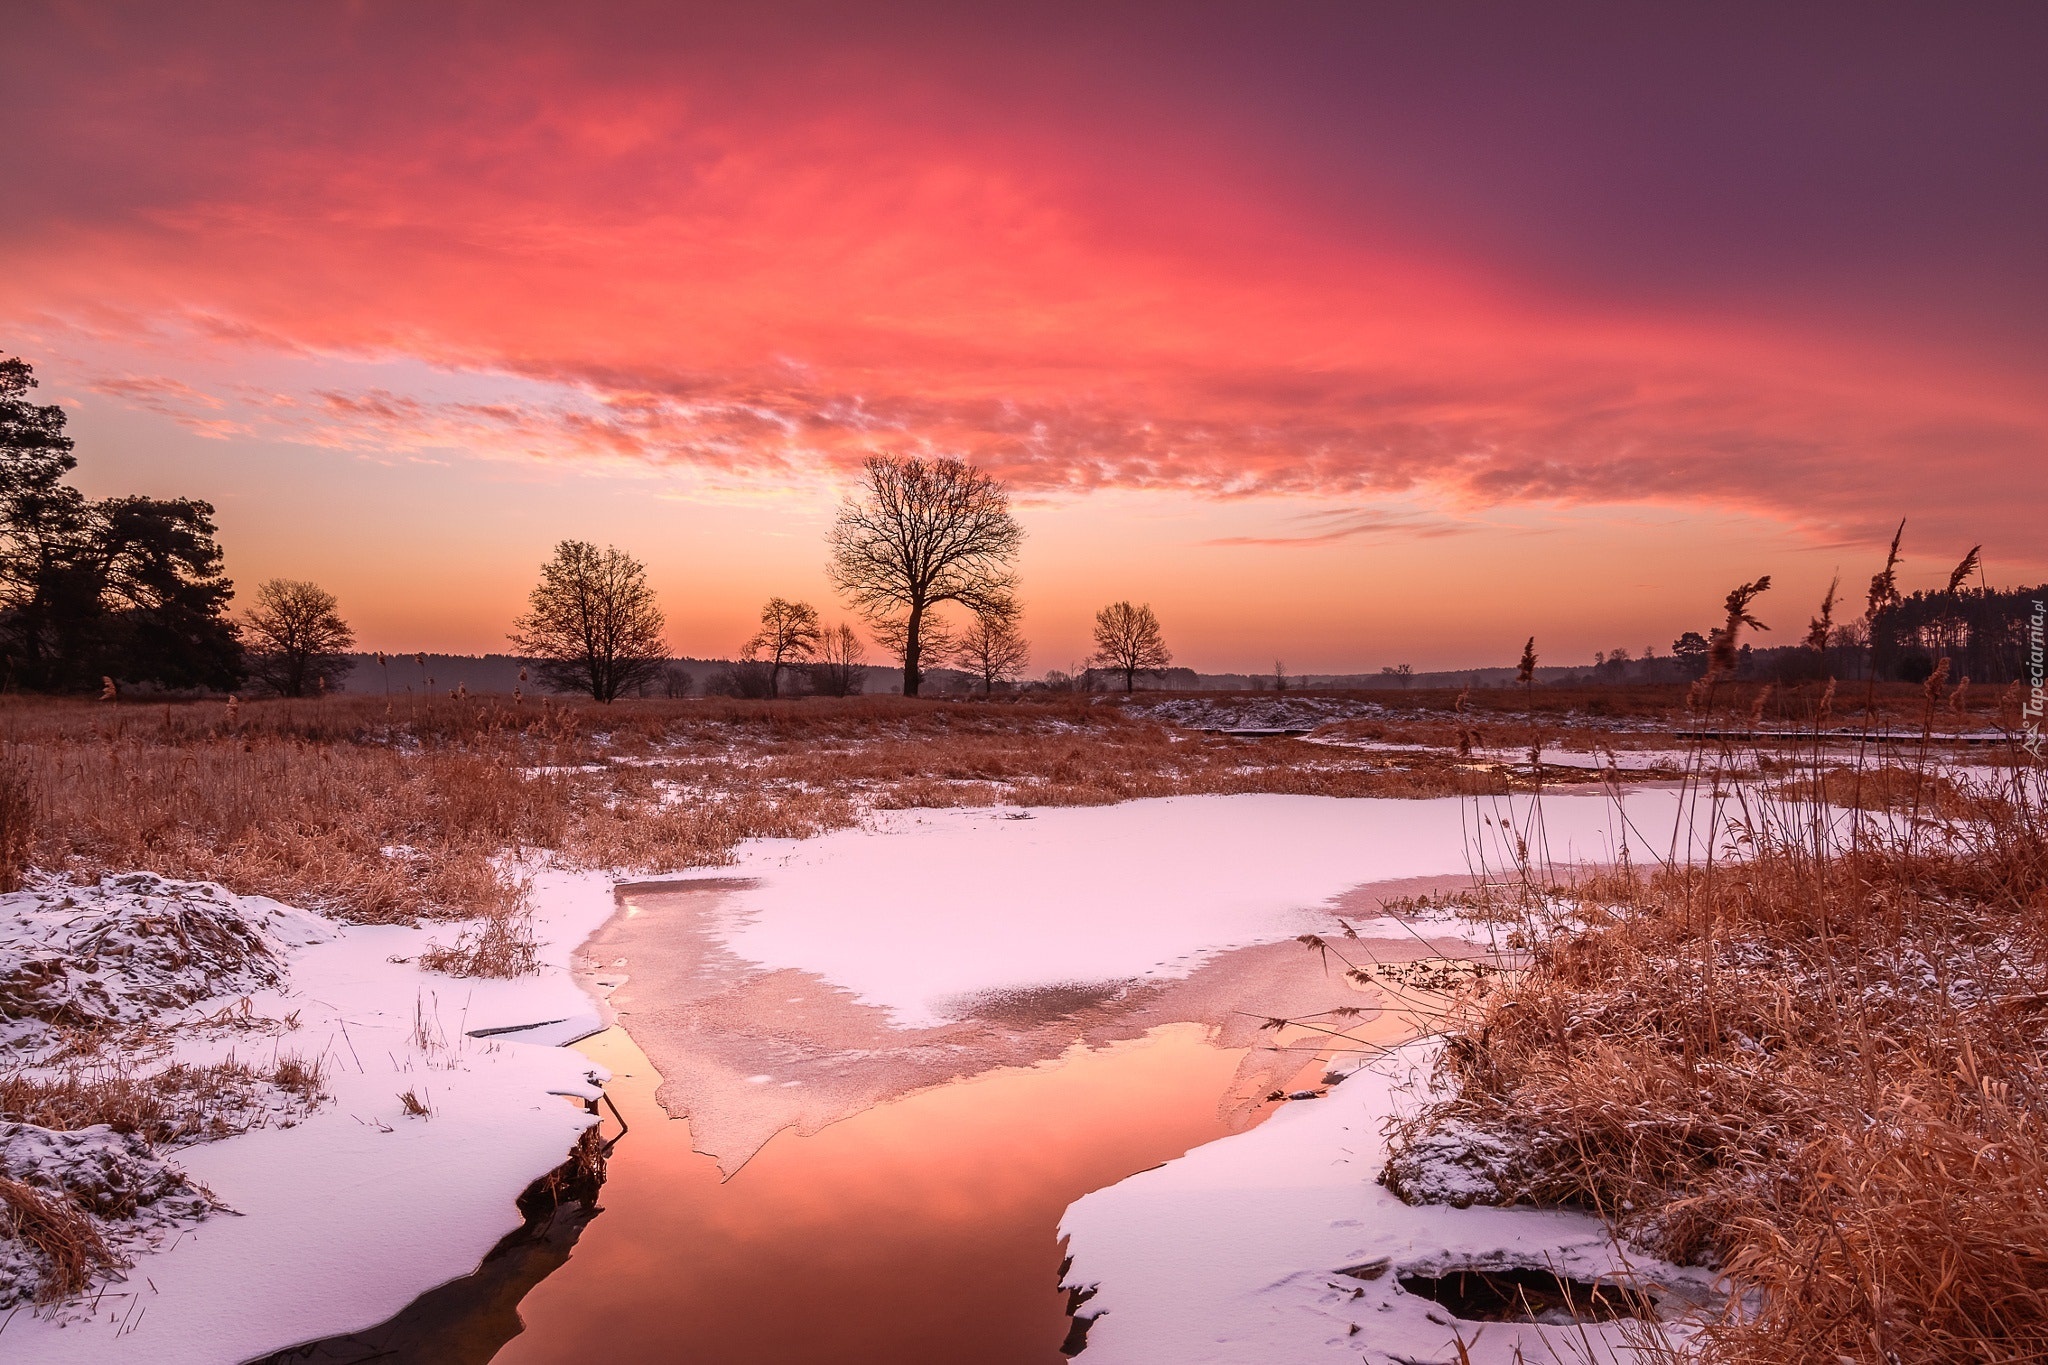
(927, 907)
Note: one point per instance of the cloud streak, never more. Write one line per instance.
(762, 268)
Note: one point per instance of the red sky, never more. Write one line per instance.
(1353, 334)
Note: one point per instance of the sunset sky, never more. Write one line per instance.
(1351, 334)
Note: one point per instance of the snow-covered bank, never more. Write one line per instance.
(1280, 1244)
(928, 907)
(340, 1219)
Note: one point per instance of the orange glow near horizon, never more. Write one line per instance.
(409, 307)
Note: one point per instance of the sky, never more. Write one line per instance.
(1343, 334)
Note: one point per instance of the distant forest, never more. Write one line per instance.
(1982, 632)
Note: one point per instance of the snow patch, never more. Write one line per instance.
(344, 1218)
(131, 948)
(1281, 1244)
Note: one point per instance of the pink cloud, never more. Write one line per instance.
(767, 274)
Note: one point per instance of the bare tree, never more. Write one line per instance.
(591, 623)
(992, 650)
(841, 666)
(1127, 641)
(746, 679)
(789, 636)
(920, 533)
(676, 681)
(298, 640)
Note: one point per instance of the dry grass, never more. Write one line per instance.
(500, 946)
(179, 1103)
(18, 812)
(66, 1240)
(393, 812)
(1823, 1069)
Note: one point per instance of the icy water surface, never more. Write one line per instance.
(920, 1230)
(818, 1173)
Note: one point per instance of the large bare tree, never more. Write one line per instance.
(789, 636)
(1127, 641)
(297, 641)
(993, 650)
(591, 623)
(933, 646)
(921, 533)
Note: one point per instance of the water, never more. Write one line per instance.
(920, 1230)
(880, 1193)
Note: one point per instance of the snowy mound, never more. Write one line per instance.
(130, 1195)
(131, 948)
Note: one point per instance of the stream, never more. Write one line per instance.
(846, 1118)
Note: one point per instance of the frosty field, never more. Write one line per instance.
(1113, 1074)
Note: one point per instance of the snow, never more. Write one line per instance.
(122, 951)
(1238, 1252)
(337, 1222)
(341, 1220)
(925, 907)
(140, 1197)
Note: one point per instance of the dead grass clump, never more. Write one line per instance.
(1884, 787)
(1823, 1070)
(80, 1099)
(175, 1104)
(59, 1234)
(1923, 1237)
(18, 817)
(302, 1078)
(1490, 903)
(498, 946)
(937, 794)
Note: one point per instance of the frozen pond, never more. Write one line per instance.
(866, 1074)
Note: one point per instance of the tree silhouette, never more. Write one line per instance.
(591, 623)
(1127, 641)
(298, 640)
(788, 636)
(127, 588)
(841, 666)
(992, 650)
(920, 533)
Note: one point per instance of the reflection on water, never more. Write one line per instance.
(921, 1230)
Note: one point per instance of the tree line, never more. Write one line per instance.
(106, 593)
(131, 593)
(917, 536)
(1977, 632)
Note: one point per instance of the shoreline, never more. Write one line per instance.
(301, 1247)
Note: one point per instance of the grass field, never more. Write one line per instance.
(1822, 1067)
